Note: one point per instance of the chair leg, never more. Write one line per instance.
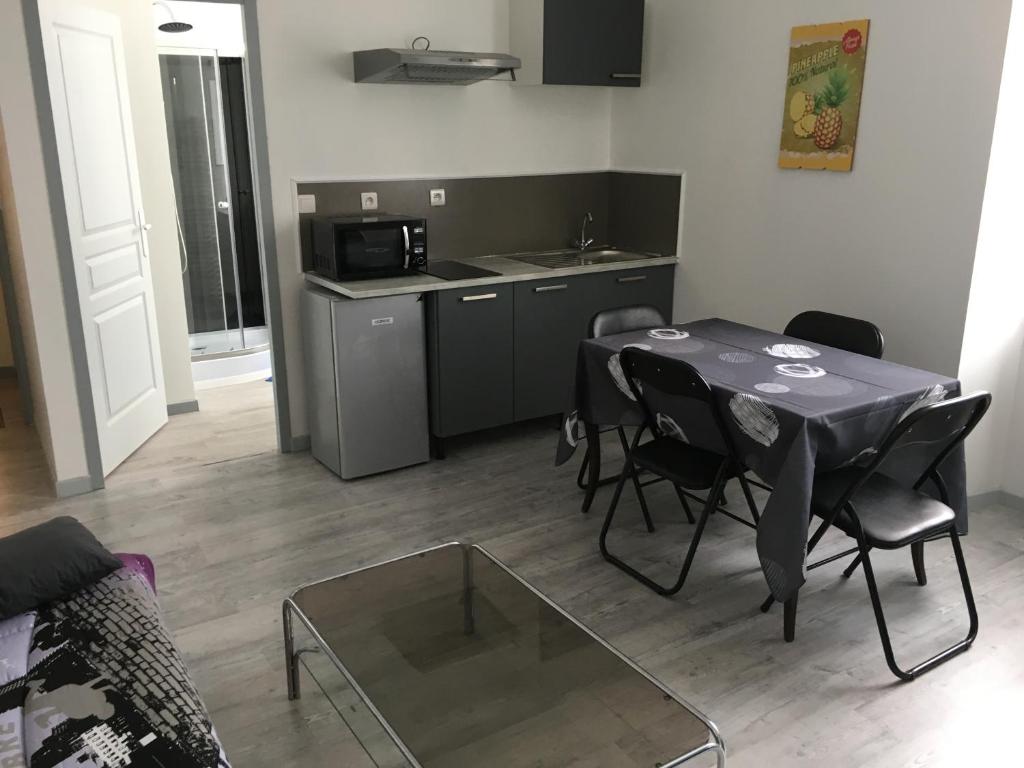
(750, 499)
(593, 459)
(943, 656)
(635, 475)
(583, 470)
(853, 566)
(789, 618)
(694, 543)
(917, 554)
(685, 503)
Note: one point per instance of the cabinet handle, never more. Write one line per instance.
(547, 288)
(632, 279)
(479, 297)
(625, 76)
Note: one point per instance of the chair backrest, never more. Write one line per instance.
(938, 428)
(838, 331)
(674, 379)
(623, 319)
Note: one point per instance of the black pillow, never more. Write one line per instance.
(49, 562)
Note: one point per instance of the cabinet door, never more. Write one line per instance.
(551, 320)
(624, 288)
(471, 359)
(593, 42)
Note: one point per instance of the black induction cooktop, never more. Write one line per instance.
(456, 270)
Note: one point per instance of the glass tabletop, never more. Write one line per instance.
(456, 661)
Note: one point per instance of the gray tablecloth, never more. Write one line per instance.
(794, 408)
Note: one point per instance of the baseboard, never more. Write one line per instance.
(176, 409)
(1002, 498)
(300, 443)
(73, 486)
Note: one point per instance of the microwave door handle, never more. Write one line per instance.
(405, 234)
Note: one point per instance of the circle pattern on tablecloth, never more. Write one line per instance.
(615, 370)
(737, 357)
(668, 334)
(772, 388)
(829, 386)
(755, 418)
(670, 428)
(800, 370)
(571, 423)
(792, 351)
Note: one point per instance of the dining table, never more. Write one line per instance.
(793, 409)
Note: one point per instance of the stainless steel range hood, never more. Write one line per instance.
(408, 65)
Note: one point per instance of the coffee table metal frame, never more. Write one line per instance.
(290, 610)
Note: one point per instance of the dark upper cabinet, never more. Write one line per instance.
(579, 42)
(469, 342)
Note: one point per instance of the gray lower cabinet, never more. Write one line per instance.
(551, 318)
(507, 352)
(651, 285)
(470, 346)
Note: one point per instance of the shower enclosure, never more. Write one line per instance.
(204, 103)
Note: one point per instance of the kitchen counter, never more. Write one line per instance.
(508, 271)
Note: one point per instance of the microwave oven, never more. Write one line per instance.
(362, 247)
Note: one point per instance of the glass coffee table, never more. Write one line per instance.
(446, 658)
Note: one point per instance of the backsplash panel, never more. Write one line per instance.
(511, 214)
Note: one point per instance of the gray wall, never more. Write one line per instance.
(523, 213)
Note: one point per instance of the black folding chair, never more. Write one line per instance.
(688, 468)
(838, 331)
(880, 513)
(849, 333)
(607, 323)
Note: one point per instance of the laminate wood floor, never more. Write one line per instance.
(233, 527)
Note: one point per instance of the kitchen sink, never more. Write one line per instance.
(563, 259)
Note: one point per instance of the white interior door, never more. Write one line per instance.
(88, 89)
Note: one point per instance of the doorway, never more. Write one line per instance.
(204, 93)
(112, 392)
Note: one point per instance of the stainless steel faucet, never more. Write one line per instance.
(585, 242)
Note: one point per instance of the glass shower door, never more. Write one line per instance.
(195, 132)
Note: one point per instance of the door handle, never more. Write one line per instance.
(405, 234)
(548, 288)
(479, 297)
(625, 76)
(632, 279)
(144, 228)
(223, 206)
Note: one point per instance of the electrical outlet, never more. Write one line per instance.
(307, 203)
(368, 201)
(437, 197)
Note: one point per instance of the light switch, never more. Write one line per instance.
(437, 197)
(307, 203)
(368, 200)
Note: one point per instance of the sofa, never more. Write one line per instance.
(94, 679)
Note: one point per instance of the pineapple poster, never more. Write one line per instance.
(826, 75)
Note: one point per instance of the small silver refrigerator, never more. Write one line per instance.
(366, 381)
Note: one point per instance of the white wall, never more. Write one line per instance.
(894, 240)
(26, 212)
(216, 26)
(994, 334)
(321, 124)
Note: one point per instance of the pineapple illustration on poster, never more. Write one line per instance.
(826, 75)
